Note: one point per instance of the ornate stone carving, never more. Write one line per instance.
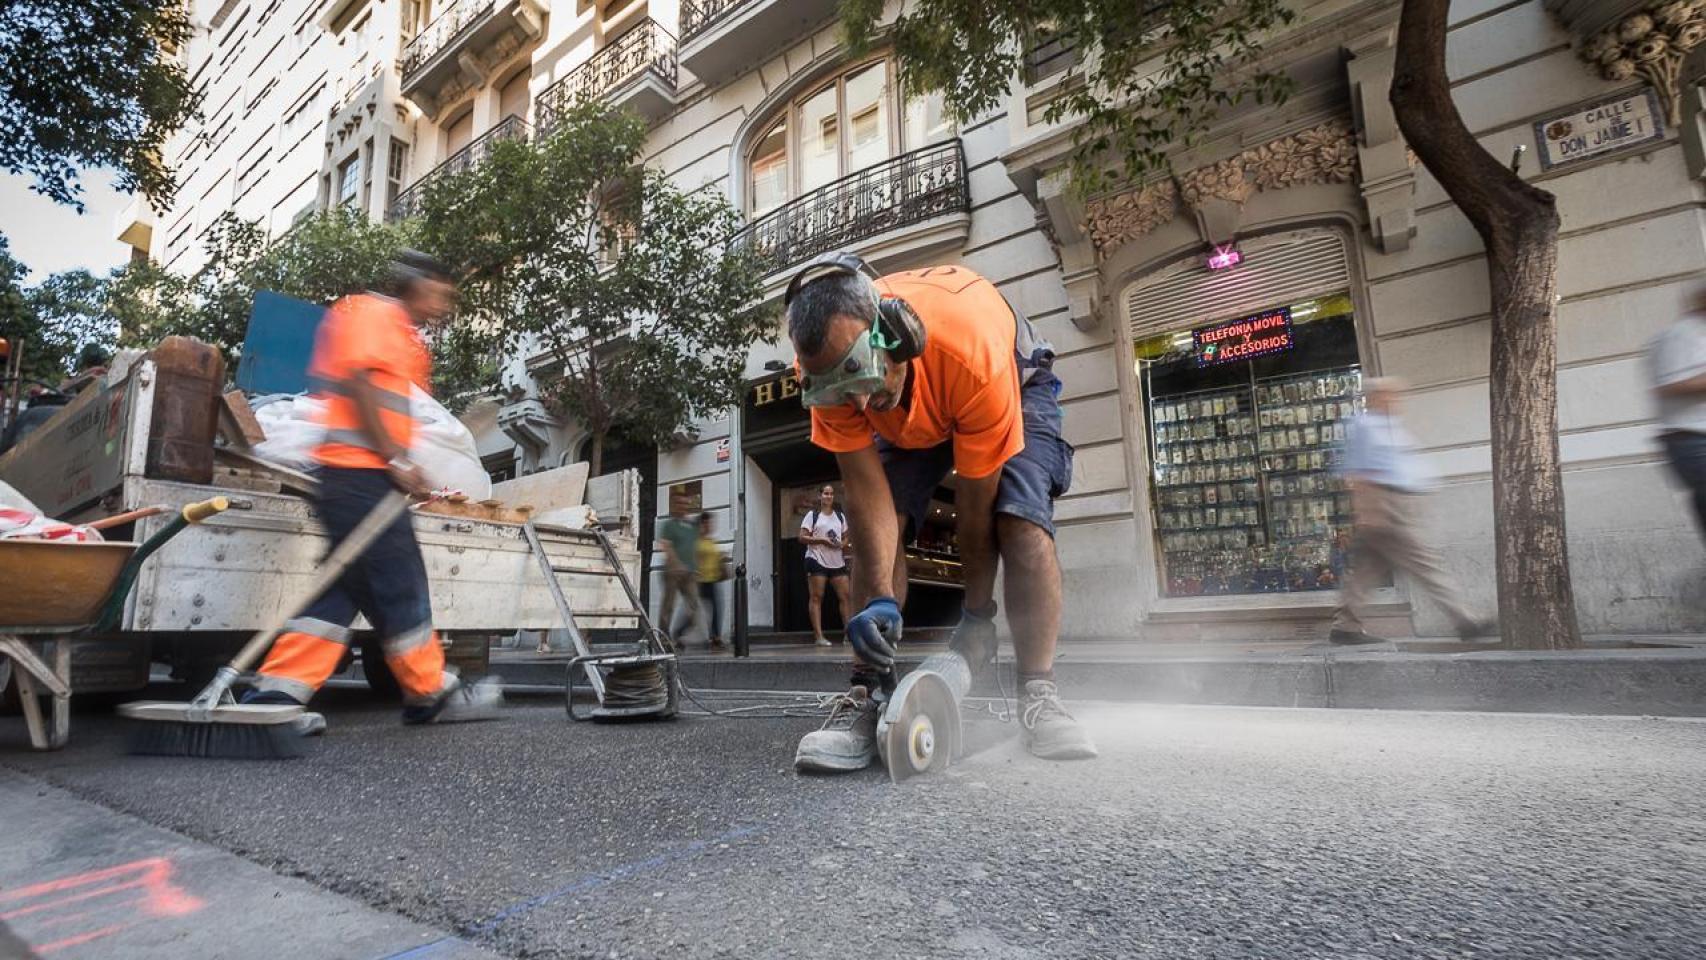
(1322, 154)
(1217, 181)
(1325, 153)
(1114, 220)
(1651, 44)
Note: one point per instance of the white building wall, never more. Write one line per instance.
(1632, 244)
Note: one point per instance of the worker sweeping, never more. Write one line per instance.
(368, 353)
(948, 377)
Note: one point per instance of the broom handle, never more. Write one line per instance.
(377, 520)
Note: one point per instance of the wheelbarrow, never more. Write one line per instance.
(57, 593)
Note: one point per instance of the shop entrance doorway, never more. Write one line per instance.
(791, 471)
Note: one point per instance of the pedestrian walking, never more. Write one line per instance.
(678, 541)
(1676, 361)
(369, 353)
(823, 530)
(712, 567)
(1388, 484)
(911, 377)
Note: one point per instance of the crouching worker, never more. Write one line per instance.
(947, 377)
(368, 352)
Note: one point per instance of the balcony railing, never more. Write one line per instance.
(408, 202)
(909, 189)
(647, 47)
(696, 15)
(444, 28)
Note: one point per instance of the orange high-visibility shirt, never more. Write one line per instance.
(371, 333)
(964, 387)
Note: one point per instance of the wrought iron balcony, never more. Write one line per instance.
(408, 202)
(451, 23)
(905, 191)
(696, 15)
(646, 52)
(720, 38)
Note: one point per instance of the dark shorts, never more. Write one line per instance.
(1030, 482)
(815, 569)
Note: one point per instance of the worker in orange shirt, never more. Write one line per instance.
(368, 353)
(908, 377)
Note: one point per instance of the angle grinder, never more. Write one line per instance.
(919, 729)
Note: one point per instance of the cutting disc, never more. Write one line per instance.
(919, 730)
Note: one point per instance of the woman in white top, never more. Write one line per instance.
(824, 533)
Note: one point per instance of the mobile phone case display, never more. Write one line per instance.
(1248, 497)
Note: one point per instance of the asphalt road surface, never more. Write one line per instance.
(1201, 832)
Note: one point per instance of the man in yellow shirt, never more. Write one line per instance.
(709, 566)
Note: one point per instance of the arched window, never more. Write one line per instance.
(852, 121)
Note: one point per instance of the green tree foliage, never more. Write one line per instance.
(51, 323)
(324, 257)
(92, 83)
(1150, 75)
(573, 251)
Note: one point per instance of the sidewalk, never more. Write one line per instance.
(82, 882)
(1663, 676)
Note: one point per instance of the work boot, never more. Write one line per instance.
(1049, 731)
(460, 703)
(846, 741)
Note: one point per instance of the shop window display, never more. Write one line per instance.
(1244, 453)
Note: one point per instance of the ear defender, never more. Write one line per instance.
(898, 329)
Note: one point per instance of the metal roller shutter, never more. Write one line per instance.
(1277, 269)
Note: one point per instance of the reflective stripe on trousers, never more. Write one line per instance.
(299, 663)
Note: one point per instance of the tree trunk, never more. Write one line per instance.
(1518, 224)
(595, 456)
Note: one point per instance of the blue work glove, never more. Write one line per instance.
(874, 631)
(974, 638)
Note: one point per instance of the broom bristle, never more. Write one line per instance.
(241, 741)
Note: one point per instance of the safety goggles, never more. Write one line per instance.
(861, 371)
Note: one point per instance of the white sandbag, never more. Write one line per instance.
(10, 497)
(291, 422)
(443, 447)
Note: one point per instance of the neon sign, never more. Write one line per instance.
(1225, 258)
(1243, 339)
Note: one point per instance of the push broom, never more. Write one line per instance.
(214, 724)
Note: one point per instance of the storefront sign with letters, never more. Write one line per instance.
(1602, 128)
(773, 403)
(1243, 339)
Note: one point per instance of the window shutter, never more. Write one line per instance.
(1277, 269)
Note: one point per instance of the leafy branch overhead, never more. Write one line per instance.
(614, 285)
(1147, 77)
(92, 84)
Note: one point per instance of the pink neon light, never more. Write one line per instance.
(1224, 258)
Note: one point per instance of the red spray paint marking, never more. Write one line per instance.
(79, 939)
(152, 878)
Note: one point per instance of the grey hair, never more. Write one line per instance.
(818, 304)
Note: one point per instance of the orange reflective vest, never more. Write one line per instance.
(367, 333)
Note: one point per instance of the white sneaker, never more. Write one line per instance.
(309, 724)
(847, 741)
(823, 642)
(462, 703)
(1049, 731)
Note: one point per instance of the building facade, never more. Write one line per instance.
(1212, 327)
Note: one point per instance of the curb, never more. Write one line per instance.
(1657, 682)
